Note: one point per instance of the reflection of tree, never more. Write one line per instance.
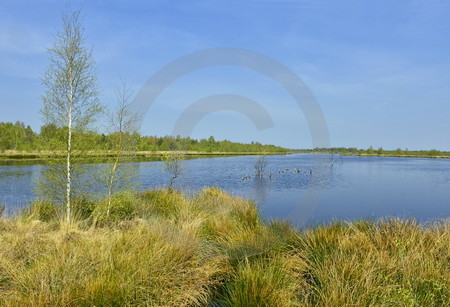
(260, 185)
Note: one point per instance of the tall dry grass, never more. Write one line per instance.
(161, 248)
(387, 263)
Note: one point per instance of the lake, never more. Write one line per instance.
(306, 189)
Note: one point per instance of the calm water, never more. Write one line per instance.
(327, 188)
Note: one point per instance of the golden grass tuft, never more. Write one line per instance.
(390, 262)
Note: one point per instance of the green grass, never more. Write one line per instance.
(378, 152)
(162, 248)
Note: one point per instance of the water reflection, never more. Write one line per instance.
(303, 188)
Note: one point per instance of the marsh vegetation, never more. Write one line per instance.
(161, 248)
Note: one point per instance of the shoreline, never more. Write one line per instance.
(46, 156)
(12, 156)
(374, 155)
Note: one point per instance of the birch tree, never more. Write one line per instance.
(123, 132)
(71, 97)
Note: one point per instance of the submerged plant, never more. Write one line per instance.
(173, 164)
(260, 166)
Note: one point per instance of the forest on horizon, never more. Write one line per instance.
(20, 137)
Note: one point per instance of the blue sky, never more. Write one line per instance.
(380, 70)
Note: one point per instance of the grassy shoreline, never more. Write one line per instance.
(388, 154)
(402, 156)
(163, 248)
(43, 157)
(10, 156)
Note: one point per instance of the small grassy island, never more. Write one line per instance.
(163, 248)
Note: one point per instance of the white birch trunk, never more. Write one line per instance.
(69, 152)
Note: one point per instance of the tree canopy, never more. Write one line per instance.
(22, 138)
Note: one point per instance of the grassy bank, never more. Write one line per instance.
(379, 152)
(390, 154)
(406, 156)
(164, 248)
(95, 156)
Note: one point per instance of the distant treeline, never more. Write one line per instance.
(18, 137)
(380, 152)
